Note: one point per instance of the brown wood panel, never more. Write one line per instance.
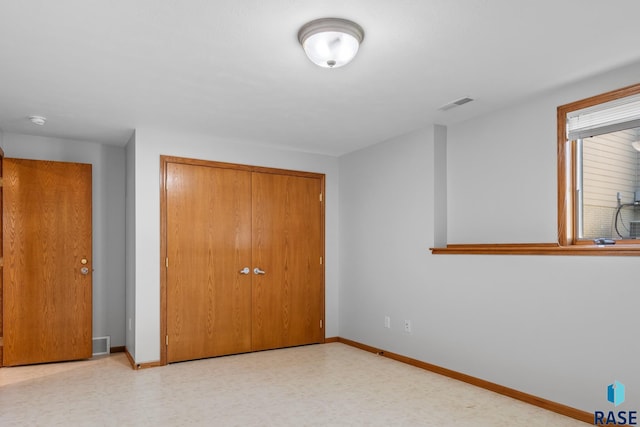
(287, 229)
(586, 249)
(208, 232)
(47, 233)
(1, 257)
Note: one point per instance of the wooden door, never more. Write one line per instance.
(220, 222)
(208, 300)
(47, 305)
(288, 299)
(1, 262)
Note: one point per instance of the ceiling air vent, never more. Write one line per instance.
(456, 103)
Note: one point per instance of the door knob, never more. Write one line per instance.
(244, 270)
(84, 270)
(258, 271)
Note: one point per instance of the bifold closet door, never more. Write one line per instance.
(288, 299)
(244, 259)
(208, 243)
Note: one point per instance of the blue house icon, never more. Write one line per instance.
(615, 393)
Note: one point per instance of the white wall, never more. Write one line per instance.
(386, 229)
(108, 219)
(558, 327)
(149, 145)
(130, 246)
(502, 179)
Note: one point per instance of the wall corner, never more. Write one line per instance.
(440, 186)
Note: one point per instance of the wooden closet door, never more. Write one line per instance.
(1, 262)
(47, 261)
(208, 243)
(288, 299)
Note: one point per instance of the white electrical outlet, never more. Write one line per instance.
(407, 326)
(387, 322)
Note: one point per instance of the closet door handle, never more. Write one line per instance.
(244, 270)
(258, 271)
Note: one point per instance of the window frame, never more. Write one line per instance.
(567, 194)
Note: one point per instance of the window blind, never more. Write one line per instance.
(613, 116)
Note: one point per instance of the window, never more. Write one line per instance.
(598, 169)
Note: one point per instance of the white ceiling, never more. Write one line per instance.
(97, 69)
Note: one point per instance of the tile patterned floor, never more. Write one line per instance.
(319, 385)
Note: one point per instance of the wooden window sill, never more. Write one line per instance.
(538, 249)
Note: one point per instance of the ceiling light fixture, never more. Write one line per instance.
(636, 145)
(38, 120)
(331, 42)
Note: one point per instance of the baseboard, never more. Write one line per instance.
(149, 365)
(130, 358)
(496, 388)
(137, 366)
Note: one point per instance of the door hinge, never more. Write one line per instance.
(321, 197)
(166, 262)
(166, 340)
(320, 323)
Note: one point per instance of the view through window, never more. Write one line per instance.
(608, 186)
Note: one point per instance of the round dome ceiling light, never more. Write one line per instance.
(331, 42)
(38, 120)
